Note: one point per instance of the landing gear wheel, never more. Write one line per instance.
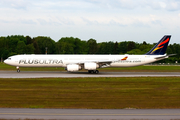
(90, 71)
(93, 71)
(18, 70)
(97, 71)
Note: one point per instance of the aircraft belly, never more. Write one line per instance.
(124, 64)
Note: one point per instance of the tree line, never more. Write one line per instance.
(18, 44)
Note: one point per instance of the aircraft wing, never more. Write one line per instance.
(98, 62)
(102, 63)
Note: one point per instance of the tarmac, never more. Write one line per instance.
(90, 114)
(62, 74)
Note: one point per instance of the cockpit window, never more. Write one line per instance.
(9, 58)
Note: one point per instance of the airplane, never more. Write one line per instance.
(91, 63)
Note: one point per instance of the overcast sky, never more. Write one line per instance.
(103, 20)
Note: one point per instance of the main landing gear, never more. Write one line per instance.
(93, 71)
(18, 70)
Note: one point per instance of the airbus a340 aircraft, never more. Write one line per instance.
(91, 62)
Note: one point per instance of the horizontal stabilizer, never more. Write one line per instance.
(166, 56)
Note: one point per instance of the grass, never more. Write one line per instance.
(130, 69)
(91, 93)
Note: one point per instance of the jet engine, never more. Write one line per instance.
(91, 66)
(73, 67)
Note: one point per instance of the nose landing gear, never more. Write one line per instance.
(18, 70)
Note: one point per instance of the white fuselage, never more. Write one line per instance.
(64, 60)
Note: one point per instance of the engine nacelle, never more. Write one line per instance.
(73, 67)
(91, 66)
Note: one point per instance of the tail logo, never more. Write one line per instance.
(124, 58)
(161, 45)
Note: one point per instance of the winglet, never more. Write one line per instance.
(160, 47)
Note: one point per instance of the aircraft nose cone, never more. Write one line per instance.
(6, 61)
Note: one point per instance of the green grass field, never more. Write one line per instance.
(130, 69)
(99, 93)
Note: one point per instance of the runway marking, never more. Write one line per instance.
(48, 114)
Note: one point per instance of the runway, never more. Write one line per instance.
(87, 114)
(64, 74)
(115, 114)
